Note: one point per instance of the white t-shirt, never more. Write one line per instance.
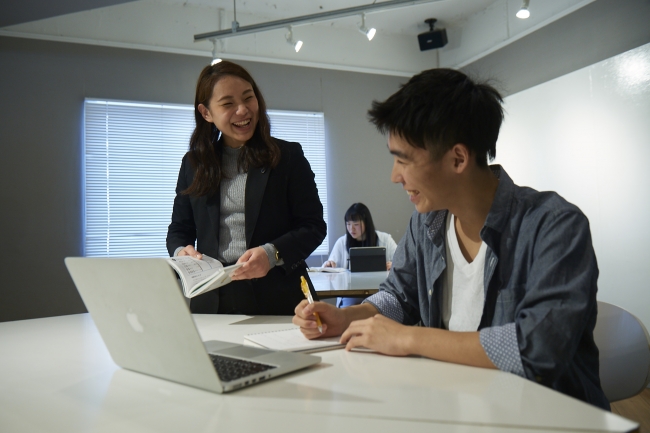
(339, 254)
(463, 296)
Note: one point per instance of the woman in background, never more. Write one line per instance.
(244, 197)
(360, 232)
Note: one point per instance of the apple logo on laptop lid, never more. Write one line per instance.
(132, 318)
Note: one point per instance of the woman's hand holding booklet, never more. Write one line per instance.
(200, 276)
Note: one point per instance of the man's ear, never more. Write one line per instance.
(205, 113)
(461, 157)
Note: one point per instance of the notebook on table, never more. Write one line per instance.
(367, 259)
(143, 318)
(292, 340)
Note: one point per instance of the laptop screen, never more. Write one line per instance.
(367, 259)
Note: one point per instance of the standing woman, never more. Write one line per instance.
(244, 197)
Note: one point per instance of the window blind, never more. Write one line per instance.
(132, 154)
(308, 129)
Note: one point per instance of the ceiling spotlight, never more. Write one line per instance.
(215, 57)
(297, 45)
(370, 33)
(523, 13)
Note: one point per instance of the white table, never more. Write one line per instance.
(56, 376)
(330, 285)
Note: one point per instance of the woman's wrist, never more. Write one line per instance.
(273, 255)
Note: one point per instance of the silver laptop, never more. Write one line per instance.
(147, 327)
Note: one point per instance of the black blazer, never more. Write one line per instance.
(282, 207)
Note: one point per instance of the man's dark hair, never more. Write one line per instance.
(439, 108)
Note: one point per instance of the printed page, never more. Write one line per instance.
(221, 278)
(194, 272)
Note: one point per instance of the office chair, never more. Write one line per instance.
(624, 346)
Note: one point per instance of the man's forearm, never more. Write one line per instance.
(457, 347)
(359, 312)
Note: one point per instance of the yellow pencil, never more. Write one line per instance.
(305, 290)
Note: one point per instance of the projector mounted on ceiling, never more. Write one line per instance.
(433, 38)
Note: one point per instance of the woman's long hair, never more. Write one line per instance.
(360, 212)
(205, 152)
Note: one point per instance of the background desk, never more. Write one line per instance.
(331, 285)
(56, 376)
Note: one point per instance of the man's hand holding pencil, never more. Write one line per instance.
(334, 321)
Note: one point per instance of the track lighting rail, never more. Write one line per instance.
(305, 19)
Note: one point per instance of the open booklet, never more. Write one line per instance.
(200, 276)
(291, 340)
(330, 270)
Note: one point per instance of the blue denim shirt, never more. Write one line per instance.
(540, 283)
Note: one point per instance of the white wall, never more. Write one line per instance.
(586, 135)
(596, 32)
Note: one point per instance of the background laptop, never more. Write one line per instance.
(367, 259)
(147, 327)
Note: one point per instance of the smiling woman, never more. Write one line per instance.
(244, 197)
(233, 109)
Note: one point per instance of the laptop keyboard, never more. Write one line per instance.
(232, 368)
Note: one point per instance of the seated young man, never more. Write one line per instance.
(501, 276)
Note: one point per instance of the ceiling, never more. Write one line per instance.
(474, 28)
